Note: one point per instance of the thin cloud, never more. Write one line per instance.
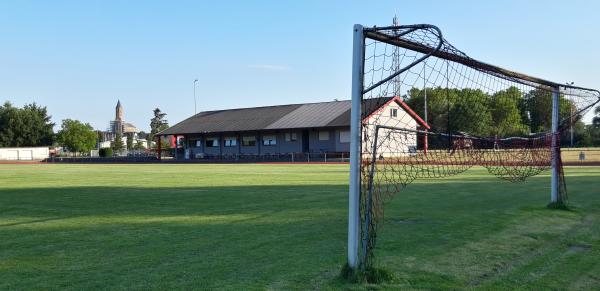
(270, 67)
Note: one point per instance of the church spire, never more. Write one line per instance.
(119, 111)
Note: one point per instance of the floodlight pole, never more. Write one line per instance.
(195, 110)
(555, 141)
(571, 123)
(571, 117)
(355, 144)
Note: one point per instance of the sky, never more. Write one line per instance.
(79, 57)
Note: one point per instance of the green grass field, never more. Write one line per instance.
(233, 227)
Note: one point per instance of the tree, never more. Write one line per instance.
(105, 152)
(471, 113)
(129, 141)
(76, 136)
(454, 110)
(117, 145)
(581, 135)
(594, 135)
(596, 120)
(506, 114)
(139, 145)
(8, 125)
(142, 135)
(538, 108)
(438, 104)
(157, 123)
(29, 126)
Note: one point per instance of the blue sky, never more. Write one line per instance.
(78, 57)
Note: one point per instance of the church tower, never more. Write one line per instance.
(119, 111)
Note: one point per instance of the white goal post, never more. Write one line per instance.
(355, 146)
(425, 42)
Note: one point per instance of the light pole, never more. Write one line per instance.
(195, 81)
(571, 118)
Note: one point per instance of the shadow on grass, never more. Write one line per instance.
(252, 237)
(188, 237)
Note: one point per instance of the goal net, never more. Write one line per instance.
(430, 111)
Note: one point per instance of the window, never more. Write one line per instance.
(269, 140)
(323, 135)
(212, 142)
(249, 141)
(230, 141)
(344, 136)
(291, 136)
(393, 112)
(198, 143)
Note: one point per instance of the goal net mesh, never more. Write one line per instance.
(430, 111)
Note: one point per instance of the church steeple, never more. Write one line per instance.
(119, 111)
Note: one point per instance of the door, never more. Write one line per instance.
(305, 141)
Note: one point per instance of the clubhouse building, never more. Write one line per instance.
(285, 129)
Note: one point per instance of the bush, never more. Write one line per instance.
(105, 152)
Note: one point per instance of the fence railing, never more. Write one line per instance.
(278, 157)
(570, 156)
(206, 158)
(88, 159)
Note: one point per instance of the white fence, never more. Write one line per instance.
(24, 154)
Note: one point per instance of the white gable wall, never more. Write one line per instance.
(391, 142)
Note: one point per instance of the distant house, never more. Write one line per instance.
(296, 128)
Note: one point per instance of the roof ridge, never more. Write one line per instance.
(333, 113)
(271, 106)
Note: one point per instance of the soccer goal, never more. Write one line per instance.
(423, 109)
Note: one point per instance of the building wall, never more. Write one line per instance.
(270, 149)
(252, 150)
(281, 146)
(290, 146)
(24, 154)
(392, 142)
(193, 147)
(339, 145)
(230, 150)
(213, 150)
(318, 146)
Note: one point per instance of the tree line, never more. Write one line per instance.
(31, 126)
(508, 112)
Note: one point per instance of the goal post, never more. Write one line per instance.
(355, 146)
(476, 114)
